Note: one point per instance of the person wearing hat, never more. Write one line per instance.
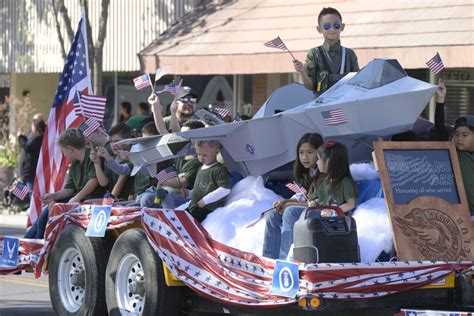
(184, 107)
(464, 141)
(134, 122)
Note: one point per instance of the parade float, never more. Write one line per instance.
(159, 262)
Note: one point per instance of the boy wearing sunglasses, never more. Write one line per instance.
(327, 64)
(464, 141)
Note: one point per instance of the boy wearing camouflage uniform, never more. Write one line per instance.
(327, 64)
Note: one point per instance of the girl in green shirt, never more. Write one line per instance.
(280, 221)
(335, 186)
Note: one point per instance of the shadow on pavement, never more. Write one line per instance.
(25, 308)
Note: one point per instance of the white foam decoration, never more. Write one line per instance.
(363, 171)
(373, 229)
(249, 198)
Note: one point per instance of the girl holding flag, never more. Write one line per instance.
(279, 223)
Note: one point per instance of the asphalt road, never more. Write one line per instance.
(22, 295)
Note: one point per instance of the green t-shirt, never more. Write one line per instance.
(208, 180)
(466, 162)
(167, 121)
(79, 173)
(346, 191)
(189, 168)
(335, 54)
(310, 184)
(141, 182)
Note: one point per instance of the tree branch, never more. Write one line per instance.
(67, 22)
(58, 29)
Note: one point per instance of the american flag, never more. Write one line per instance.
(222, 112)
(88, 127)
(237, 117)
(172, 88)
(108, 199)
(166, 174)
(435, 64)
(20, 190)
(142, 81)
(334, 117)
(90, 105)
(276, 43)
(162, 71)
(295, 187)
(52, 166)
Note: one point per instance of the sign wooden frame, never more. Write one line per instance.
(427, 227)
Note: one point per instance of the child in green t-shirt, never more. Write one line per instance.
(212, 181)
(81, 180)
(464, 141)
(336, 186)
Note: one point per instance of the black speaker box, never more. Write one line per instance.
(325, 240)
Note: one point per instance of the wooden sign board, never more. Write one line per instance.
(426, 200)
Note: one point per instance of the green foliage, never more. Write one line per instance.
(9, 155)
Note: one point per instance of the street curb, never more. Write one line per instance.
(14, 220)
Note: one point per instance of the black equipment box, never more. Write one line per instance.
(325, 239)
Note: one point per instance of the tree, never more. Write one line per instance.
(95, 51)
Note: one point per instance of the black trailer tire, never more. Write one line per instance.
(135, 281)
(77, 273)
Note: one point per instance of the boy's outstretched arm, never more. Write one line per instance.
(118, 187)
(85, 191)
(157, 116)
(299, 67)
(101, 177)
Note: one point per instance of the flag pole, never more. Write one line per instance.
(290, 54)
(304, 195)
(151, 84)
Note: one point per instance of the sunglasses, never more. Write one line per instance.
(187, 99)
(336, 25)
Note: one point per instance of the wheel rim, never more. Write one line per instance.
(130, 285)
(71, 280)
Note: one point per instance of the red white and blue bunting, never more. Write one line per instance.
(231, 276)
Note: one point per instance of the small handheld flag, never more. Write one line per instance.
(172, 88)
(162, 71)
(108, 199)
(142, 81)
(295, 187)
(277, 42)
(20, 191)
(88, 127)
(89, 105)
(222, 112)
(435, 64)
(166, 174)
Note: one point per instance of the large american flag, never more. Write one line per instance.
(334, 117)
(90, 105)
(52, 166)
(435, 64)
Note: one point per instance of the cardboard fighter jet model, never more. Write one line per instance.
(378, 101)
